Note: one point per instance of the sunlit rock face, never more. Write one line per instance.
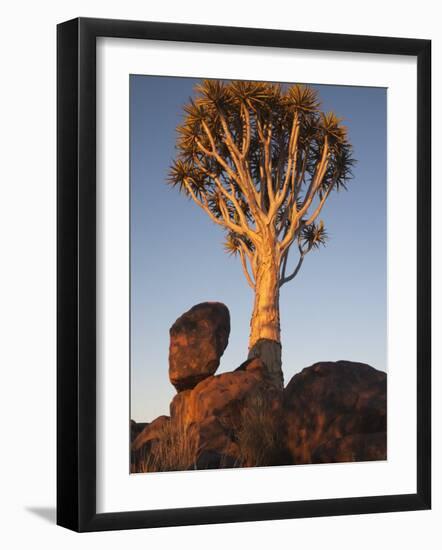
(214, 410)
(209, 422)
(329, 412)
(336, 412)
(197, 341)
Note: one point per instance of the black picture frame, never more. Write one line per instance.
(76, 274)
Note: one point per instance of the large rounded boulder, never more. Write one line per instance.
(352, 448)
(224, 395)
(336, 412)
(232, 417)
(197, 341)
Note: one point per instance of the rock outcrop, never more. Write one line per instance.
(336, 412)
(224, 421)
(136, 428)
(143, 444)
(151, 432)
(329, 412)
(223, 395)
(214, 409)
(197, 341)
(352, 448)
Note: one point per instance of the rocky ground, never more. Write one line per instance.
(329, 412)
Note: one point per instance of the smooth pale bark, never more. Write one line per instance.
(265, 331)
(265, 317)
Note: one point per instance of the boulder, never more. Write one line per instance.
(214, 412)
(210, 460)
(336, 412)
(329, 412)
(353, 448)
(197, 341)
(254, 365)
(223, 395)
(178, 405)
(151, 432)
(212, 436)
(143, 444)
(136, 428)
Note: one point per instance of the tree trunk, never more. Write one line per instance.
(265, 334)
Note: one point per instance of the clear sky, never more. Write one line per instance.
(334, 309)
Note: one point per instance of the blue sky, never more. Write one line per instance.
(334, 309)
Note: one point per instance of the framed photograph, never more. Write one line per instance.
(243, 274)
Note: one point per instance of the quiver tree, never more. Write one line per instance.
(261, 160)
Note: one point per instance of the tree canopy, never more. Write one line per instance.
(261, 159)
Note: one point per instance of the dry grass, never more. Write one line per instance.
(258, 436)
(175, 450)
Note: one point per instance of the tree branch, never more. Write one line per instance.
(244, 268)
(250, 255)
(285, 279)
(202, 204)
(240, 177)
(246, 146)
(214, 154)
(320, 205)
(230, 142)
(225, 222)
(314, 186)
(231, 197)
(268, 166)
(291, 166)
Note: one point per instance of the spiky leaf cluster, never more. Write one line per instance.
(234, 243)
(225, 107)
(313, 236)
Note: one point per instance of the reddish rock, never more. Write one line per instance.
(223, 395)
(178, 405)
(151, 432)
(328, 402)
(330, 412)
(197, 341)
(144, 443)
(212, 436)
(254, 365)
(209, 460)
(136, 428)
(353, 448)
(213, 412)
